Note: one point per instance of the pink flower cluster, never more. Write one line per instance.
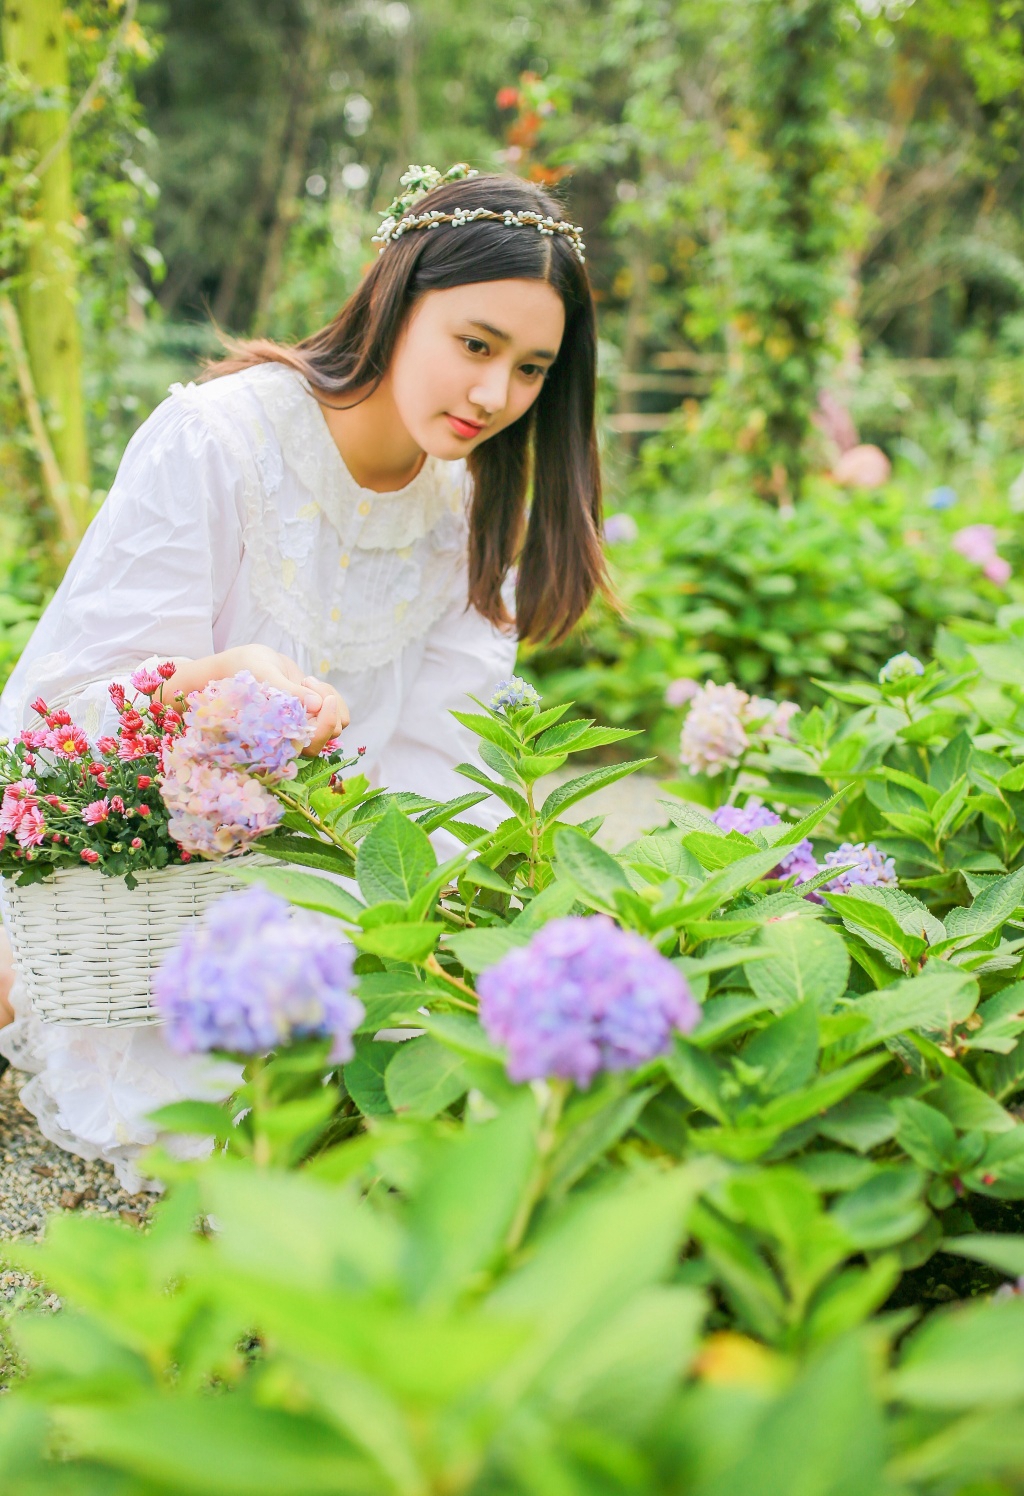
(234, 729)
(721, 723)
(977, 543)
(20, 814)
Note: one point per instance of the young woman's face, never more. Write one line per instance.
(471, 360)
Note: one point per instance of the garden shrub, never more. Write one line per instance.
(680, 1277)
(726, 586)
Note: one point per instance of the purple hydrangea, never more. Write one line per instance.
(583, 996)
(510, 695)
(797, 860)
(620, 529)
(870, 868)
(242, 723)
(253, 974)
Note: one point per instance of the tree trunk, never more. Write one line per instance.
(34, 41)
(252, 223)
(305, 99)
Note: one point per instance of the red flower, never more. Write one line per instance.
(166, 670)
(136, 843)
(507, 98)
(116, 803)
(144, 781)
(186, 856)
(130, 720)
(88, 855)
(60, 718)
(117, 694)
(107, 745)
(142, 810)
(68, 742)
(360, 751)
(32, 737)
(39, 707)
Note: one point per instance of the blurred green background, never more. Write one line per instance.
(805, 236)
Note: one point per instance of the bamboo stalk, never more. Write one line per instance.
(103, 75)
(53, 478)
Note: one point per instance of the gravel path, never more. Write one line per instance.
(37, 1178)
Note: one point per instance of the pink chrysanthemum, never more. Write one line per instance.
(146, 681)
(96, 812)
(68, 742)
(31, 828)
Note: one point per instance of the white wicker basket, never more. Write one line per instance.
(86, 946)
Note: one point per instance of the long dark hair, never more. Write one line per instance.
(560, 562)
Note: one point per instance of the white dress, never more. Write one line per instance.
(233, 520)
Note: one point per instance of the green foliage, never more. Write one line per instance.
(729, 588)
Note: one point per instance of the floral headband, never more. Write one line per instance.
(398, 219)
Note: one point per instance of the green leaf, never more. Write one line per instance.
(461, 1215)
(696, 1076)
(424, 1078)
(180, 1442)
(402, 942)
(307, 891)
(586, 784)
(785, 1051)
(730, 881)
(806, 960)
(590, 1128)
(594, 872)
(714, 852)
(203, 1117)
(973, 1357)
(969, 1108)
(551, 903)
(688, 818)
(884, 1211)
(491, 729)
(394, 860)
(869, 919)
(934, 1002)
(478, 949)
(810, 822)
(1004, 1253)
(1003, 663)
(924, 1134)
(512, 798)
(307, 851)
(364, 1076)
(479, 875)
(823, 1092)
(862, 1121)
(431, 820)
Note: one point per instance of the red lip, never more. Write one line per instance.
(466, 429)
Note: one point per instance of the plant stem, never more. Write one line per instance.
(435, 968)
(342, 842)
(557, 1093)
(261, 1153)
(534, 836)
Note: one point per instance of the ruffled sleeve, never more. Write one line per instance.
(464, 656)
(150, 575)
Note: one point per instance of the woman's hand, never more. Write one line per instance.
(319, 697)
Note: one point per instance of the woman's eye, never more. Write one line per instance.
(475, 345)
(534, 371)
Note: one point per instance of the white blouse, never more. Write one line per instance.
(233, 520)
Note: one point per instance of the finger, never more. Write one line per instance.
(325, 727)
(327, 690)
(311, 698)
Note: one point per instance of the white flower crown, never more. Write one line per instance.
(398, 220)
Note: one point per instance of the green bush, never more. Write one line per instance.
(728, 587)
(686, 1277)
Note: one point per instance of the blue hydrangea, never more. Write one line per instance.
(942, 497)
(900, 667)
(512, 694)
(870, 867)
(798, 860)
(254, 974)
(582, 997)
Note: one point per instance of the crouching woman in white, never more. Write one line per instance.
(340, 518)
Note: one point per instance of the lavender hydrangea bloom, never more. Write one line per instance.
(512, 694)
(214, 812)
(797, 860)
(583, 996)
(252, 975)
(620, 529)
(870, 868)
(240, 722)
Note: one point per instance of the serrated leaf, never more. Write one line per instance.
(425, 1077)
(804, 960)
(394, 860)
(512, 798)
(586, 784)
(595, 873)
(306, 891)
